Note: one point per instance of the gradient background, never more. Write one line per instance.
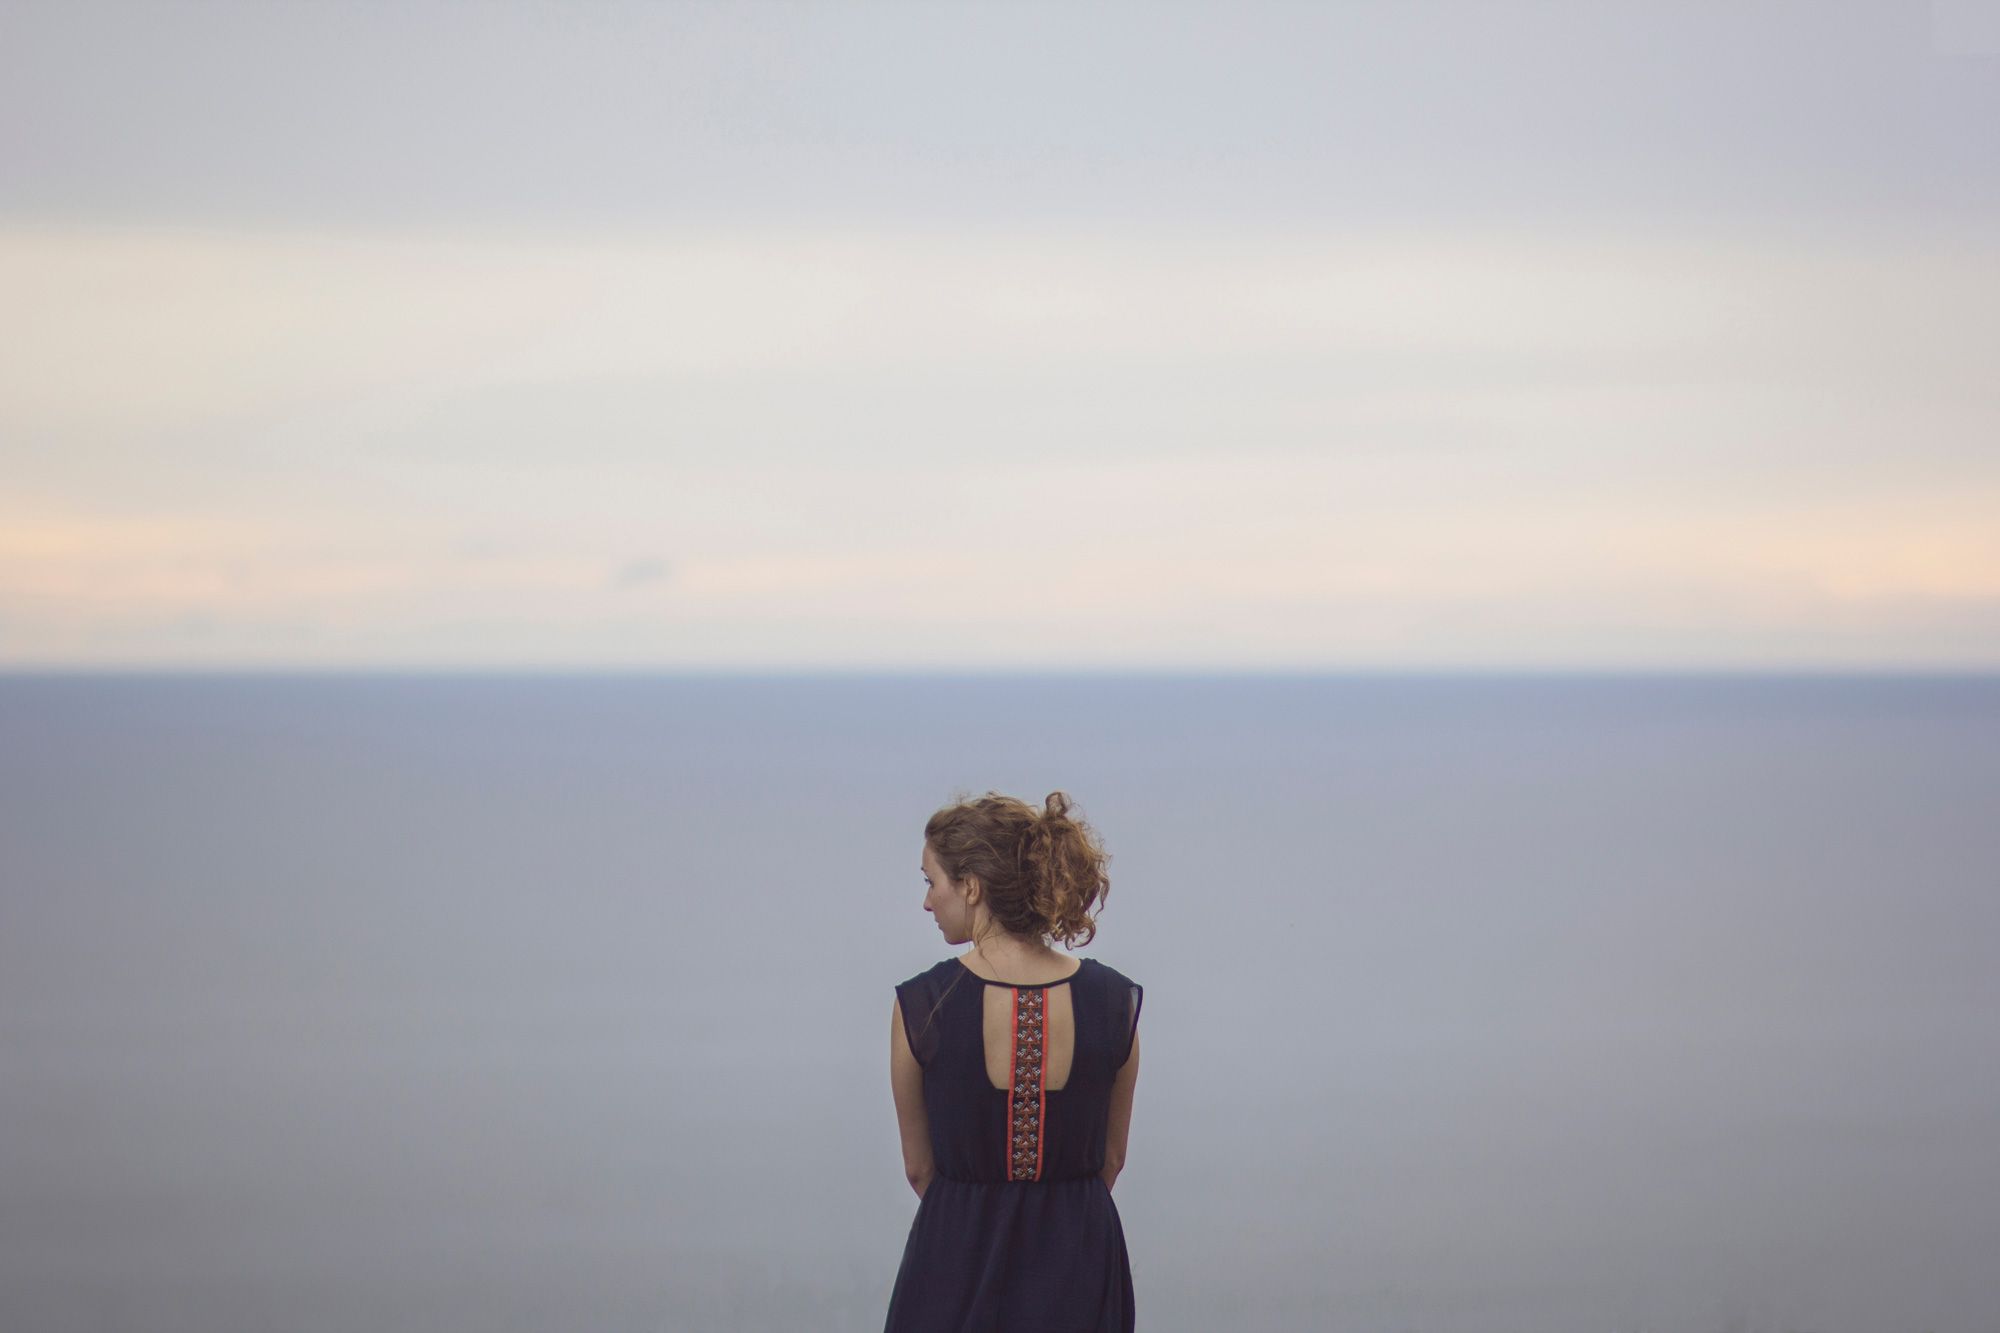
(511, 516)
(1001, 335)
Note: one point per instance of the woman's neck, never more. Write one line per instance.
(1010, 955)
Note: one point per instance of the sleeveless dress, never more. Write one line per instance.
(1016, 1233)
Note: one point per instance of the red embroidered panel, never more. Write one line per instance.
(1027, 1100)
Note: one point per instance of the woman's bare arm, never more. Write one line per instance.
(1121, 1114)
(906, 1081)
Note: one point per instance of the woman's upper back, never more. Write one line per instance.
(1018, 1078)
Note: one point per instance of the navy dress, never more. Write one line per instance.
(1017, 1232)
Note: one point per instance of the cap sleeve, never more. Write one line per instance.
(918, 998)
(1135, 995)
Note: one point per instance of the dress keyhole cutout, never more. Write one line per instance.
(1058, 1041)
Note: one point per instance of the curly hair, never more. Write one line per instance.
(1042, 871)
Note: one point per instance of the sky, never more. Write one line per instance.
(897, 336)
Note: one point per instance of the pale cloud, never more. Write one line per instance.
(113, 330)
(880, 447)
(639, 573)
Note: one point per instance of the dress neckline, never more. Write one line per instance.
(1081, 963)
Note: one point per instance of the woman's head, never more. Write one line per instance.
(998, 864)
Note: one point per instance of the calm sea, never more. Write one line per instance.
(486, 1004)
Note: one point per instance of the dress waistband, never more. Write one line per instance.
(1046, 1180)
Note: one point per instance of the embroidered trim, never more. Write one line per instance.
(1027, 1099)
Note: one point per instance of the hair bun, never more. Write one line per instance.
(1054, 876)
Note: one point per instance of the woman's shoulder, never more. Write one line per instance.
(936, 974)
(1109, 975)
(947, 970)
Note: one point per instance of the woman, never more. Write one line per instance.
(1013, 1069)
